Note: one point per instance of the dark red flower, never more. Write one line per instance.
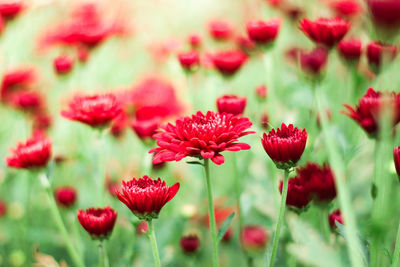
(263, 32)
(264, 121)
(145, 128)
(254, 238)
(245, 45)
(15, 80)
(142, 228)
(379, 55)
(145, 197)
(231, 104)
(285, 145)
(229, 62)
(202, 136)
(3, 208)
(385, 15)
(350, 50)
(346, 8)
(319, 181)
(41, 121)
(190, 60)
(95, 110)
(313, 62)
(190, 243)
(195, 40)
(27, 101)
(10, 9)
(261, 92)
(396, 158)
(335, 216)
(327, 32)
(98, 222)
(298, 195)
(368, 111)
(63, 64)
(220, 30)
(65, 196)
(34, 153)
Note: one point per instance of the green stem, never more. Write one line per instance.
(100, 181)
(191, 89)
(337, 164)
(103, 258)
(211, 214)
(59, 222)
(396, 253)
(153, 243)
(326, 231)
(269, 83)
(280, 218)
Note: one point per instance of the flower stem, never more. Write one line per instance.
(280, 218)
(269, 83)
(153, 243)
(325, 223)
(211, 214)
(100, 181)
(59, 222)
(353, 244)
(396, 253)
(103, 258)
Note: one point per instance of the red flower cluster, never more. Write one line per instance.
(285, 145)
(396, 158)
(95, 111)
(65, 196)
(379, 55)
(63, 64)
(228, 62)
(263, 32)
(231, 104)
(98, 222)
(254, 238)
(368, 111)
(350, 50)
(335, 216)
(190, 243)
(145, 197)
(202, 136)
(34, 153)
(190, 60)
(323, 31)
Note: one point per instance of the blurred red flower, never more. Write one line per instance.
(261, 92)
(27, 101)
(11, 8)
(231, 104)
(396, 158)
(346, 8)
(95, 110)
(220, 30)
(385, 15)
(3, 208)
(34, 153)
(15, 80)
(98, 222)
(190, 243)
(246, 45)
(254, 238)
(190, 60)
(263, 32)
(285, 145)
(327, 32)
(65, 196)
(201, 136)
(145, 197)
(145, 128)
(228, 62)
(195, 40)
(63, 64)
(313, 62)
(379, 55)
(350, 50)
(367, 113)
(297, 195)
(335, 216)
(142, 228)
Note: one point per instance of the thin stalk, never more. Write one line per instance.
(192, 91)
(269, 83)
(153, 243)
(280, 218)
(336, 162)
(325, 228)
(103, 258)
(396, 253)
(59, 222)
(211, 214)
(100, 179)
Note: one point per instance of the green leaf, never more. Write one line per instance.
(225, 226)
(195, 162)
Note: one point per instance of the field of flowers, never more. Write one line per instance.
(199, 133)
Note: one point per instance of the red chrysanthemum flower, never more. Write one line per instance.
(96, 110)
(385, 15)
(298, 195)
(350, 50)
(346, 8)
(327, 32)
(15, 80)
(367, 113)
(65, 196)
(228, 62)
(195, 40)
(335, 216)
(190, 243)
(27, 101)
(396, 158)
(319, 181)
(10, 9)
(379, 55)
(231, 104)
(263, 32)
(220, 30)
(34, 153)
(98, 222)
(313, 62)
(202, 136)
(190, 60)
(245, 45)
(145, 128)
(145, 197)
(285, 145)
(63, 64)
(254, 238)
